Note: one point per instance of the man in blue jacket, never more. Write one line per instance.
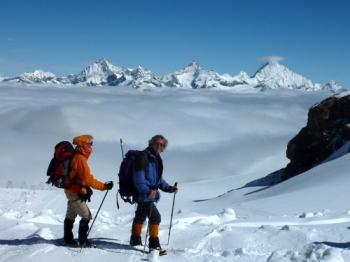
(148, 179)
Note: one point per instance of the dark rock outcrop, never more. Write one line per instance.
(327, 129)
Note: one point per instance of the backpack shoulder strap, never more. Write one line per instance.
(141, 161)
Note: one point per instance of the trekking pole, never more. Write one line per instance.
(97, 213)
(95, 216)
(150, 214)
(171, 218)
(121, 147)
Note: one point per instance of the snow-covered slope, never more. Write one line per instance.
(272, 75)
(218, 141)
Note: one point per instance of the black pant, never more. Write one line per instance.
(144, 210)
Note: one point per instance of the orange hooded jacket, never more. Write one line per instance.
(79, 169)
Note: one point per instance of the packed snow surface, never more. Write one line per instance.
(218, 142)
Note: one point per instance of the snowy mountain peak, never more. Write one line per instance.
(99, 73)
(106, 65)
(277, 76)
(193, 66)
(242, 77)
(36, 77)
(38, 74)
(102, 60)
(139, 73)
(333, 86)
(193, 76)
(100, 66)
(185, 77)
(140, 69)
(271, 75)
(269, 68)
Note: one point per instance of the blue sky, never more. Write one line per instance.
(163, 36)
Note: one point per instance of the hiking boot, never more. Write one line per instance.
(86, 244)
(71, 243)
(135, 240)
(154, 243)
(83, 229)
(68, 234)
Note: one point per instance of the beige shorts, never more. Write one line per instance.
(75, 206)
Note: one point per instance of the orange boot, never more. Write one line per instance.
(154, 240)
(153, 230)
(135, 238)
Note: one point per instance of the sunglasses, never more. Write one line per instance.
(90, 143)
(159, 144)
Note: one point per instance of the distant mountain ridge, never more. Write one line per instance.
(271, 75)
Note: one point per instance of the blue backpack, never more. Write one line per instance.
(127, 189)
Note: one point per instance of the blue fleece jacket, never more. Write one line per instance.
(150, 178)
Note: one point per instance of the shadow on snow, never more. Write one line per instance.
(263, 183)
(101, 243)
(334, 244)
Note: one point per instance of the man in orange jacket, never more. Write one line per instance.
(82, 181)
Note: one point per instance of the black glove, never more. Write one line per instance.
(87, 196)
(109, 185)
(173, 189)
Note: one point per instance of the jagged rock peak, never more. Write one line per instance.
(193, 66)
